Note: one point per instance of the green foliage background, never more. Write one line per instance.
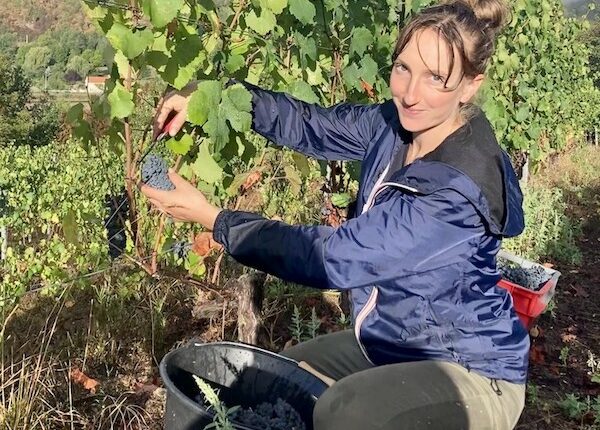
(539, 97)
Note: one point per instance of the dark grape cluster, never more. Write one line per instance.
(155, 173)
(532, 278)
(118, 208)
(181, 249)
(268, 416)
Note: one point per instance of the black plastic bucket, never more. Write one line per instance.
(244, 375)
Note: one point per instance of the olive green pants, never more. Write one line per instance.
(414, 395)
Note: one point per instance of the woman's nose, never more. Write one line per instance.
(412, 93)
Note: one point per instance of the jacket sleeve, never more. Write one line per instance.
(341, 132)
(401, 236)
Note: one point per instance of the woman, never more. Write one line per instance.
(435, 344)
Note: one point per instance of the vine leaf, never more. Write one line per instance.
(70, 230)
(185, 60)
(236, 106)
(295, 182)
(181, 146)
(216, 128)
(302, 91)
(205, 99)
(304, 10)
(362, 38)
(121, 102)
(161, 12)
(261, 24)
(205, 167)
(276, 6)
(131, 43)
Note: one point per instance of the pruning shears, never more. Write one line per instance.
(160, 137)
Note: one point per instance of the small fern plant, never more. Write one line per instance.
(222, 413)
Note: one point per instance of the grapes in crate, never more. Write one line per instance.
(532, 278)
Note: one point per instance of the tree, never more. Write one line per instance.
(23, 120)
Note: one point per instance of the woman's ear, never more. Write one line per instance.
(471, 88)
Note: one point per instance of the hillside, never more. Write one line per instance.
(580, 8)
(31, 18)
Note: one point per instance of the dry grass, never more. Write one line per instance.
(580, 166)
(115, 332)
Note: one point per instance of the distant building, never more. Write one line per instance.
(95, 84)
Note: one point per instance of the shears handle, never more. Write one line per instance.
(165, 130)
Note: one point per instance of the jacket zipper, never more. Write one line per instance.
(372, 300)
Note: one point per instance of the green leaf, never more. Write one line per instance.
(240, 120)
(234, 63)
(186, 59)
(295, 182)
(181, 146)
(301, 163)
(132, 44)
(340, 200)
(522, 113)
(261, 24)
(351, 76)
(75, 114)
(122, 63)
(275, 6)
(216, 128)
(205, 167)
(302, 91)
(236, 106)
(121, 102)
(205, 99)
(369, 69)
(240, 97)
(161, 12)
(362, 38)
(304, 10)
(69, 224)
(307, 46)
(237, 182)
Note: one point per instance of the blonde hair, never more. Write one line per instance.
(469, 26)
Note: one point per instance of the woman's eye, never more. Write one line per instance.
(438, 79)
(400, 67)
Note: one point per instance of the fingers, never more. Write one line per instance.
(177, 122)
(163, 113)
(173, 102)
(153, 193)
(177, 180)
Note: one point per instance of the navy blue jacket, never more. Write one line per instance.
(419, 260)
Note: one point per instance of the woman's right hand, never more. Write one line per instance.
(175, 101)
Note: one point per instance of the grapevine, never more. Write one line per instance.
(539, 92)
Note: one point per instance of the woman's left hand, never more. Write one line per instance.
(184, 203)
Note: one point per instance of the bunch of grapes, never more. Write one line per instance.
(532, 278)
(268, 416)
(118, 208)
(155, 173)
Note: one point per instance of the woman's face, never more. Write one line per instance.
(426, 103)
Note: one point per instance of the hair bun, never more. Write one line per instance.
(493, 13)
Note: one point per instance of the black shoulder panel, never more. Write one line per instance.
(473, 150)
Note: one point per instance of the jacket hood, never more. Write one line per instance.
(471, 162)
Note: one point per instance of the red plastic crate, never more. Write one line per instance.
(529, 304)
